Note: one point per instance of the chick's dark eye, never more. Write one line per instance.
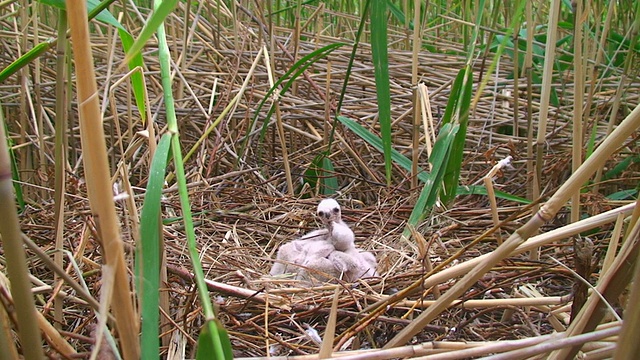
(321, 213)
(336, 210)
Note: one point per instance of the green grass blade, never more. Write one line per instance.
(381, 68)
(152, 24)
(376, 142)
(398, 14)
(454, 164)
(160, 12)
(405, 163)
(290, 76)
(328, 179)
(320, 176)
(137, 80)
(481, 190)
(25, 59)
(148, 258)
(454, 97)
(631, 194)
(311, 176)
(439, 159)
(622, 166)
(96, 9)
(206, 342)
(198, 273)
(591, 144)
(297, 69)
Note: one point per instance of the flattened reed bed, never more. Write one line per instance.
(243, 212)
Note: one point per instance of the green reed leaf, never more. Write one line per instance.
(379, 49)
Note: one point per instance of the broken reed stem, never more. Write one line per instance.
(610, 286)
(488, 184)
(487, 303)
(427, 120)
(326, 349)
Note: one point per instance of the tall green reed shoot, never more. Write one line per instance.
(213, 341)
(381, 68)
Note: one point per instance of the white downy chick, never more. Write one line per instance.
(289, 253)
(340, 235)
(326, 253)
(352, 263)
(366, 264)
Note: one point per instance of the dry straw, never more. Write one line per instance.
(243, 208)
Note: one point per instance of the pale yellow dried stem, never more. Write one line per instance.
(549, 57)
(427, 120)
(7, 342)
(628, 344)
(578, 74)
(54, 338)
(612, 248)
(98, 179)
(60, 152)
(486, 303)
(326, 349)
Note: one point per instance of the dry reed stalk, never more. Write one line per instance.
(488, 303)
(60, 152)
(628, 345)
(594, 75)
(98, 179)
(578, 94)
(326, 349)
(506, 349)
(15, 258)
(488, 184)
(428, 124)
